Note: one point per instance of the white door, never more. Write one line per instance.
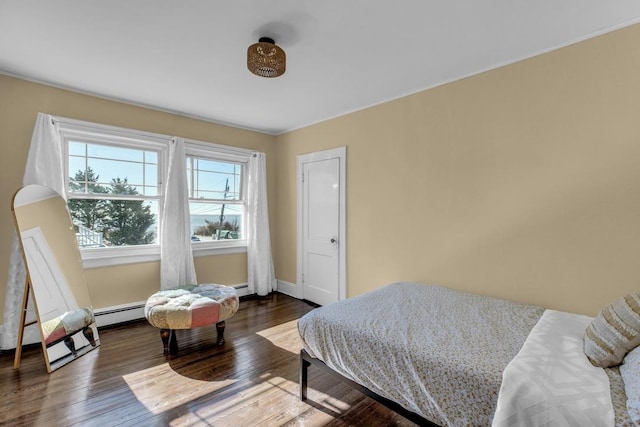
(321, 226)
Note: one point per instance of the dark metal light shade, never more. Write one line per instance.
(265, 59)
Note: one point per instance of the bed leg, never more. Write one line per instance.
(304, 365)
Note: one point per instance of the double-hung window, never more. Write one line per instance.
(115, 192)
(217, 196)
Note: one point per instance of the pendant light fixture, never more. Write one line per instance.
(265, 59)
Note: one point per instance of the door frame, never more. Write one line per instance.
(341, 154)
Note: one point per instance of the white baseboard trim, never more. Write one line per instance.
(288, 288)
(283, 287)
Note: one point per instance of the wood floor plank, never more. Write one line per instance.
(251, 380)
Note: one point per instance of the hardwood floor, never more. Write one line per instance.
(251, 380)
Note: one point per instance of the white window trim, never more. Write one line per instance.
(95, 132)
(96, 258)
(221, 152)
(194, 147)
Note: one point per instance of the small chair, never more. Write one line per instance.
(190, 306)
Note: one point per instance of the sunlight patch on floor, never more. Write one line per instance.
(155, 388)
(256, 404)
(284, 336)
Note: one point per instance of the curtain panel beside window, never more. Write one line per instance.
(44, 167)
(261, 278)
(176, 256)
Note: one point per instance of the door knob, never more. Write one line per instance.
(333, 240)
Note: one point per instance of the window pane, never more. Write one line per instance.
(103, 223)
(98, 168)
(109, 170)
(151, 177)
(212, 179)
(206, 220)
(151, 157)
(77, 148)
(110, 152)
(76, 165)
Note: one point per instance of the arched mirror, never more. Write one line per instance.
(56, 281)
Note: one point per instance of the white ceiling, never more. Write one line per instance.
(189, 57)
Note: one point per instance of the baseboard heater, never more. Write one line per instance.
(119, 314)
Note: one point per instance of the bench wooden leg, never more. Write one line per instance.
(88, 334)
(71, 345)
(169, 341)
(220, 329)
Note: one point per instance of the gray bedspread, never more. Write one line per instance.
(437, 352)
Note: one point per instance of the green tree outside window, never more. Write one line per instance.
(121, 221)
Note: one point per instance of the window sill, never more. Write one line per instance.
(96, 258)
(220, 248)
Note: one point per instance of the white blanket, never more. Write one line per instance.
(550, 382)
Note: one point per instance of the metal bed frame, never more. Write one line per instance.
(307, 360)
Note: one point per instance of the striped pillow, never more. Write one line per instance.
(614, 332)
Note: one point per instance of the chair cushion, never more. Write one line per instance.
(191, 306)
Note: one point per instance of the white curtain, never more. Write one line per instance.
(261, 278)
(176, 256)
(44, 167)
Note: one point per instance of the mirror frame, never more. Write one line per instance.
(55, 278)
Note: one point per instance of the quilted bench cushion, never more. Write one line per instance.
(66, 324)
(191, 306)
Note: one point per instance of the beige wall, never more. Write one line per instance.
(20, 101)
(522, 182)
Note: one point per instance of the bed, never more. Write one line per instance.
(449, 358)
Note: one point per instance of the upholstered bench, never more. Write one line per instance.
(63, 327)
(190, 306)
